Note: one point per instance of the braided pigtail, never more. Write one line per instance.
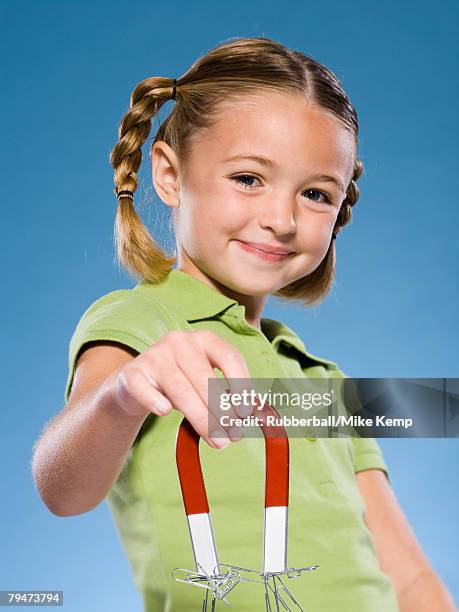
(352, 195)
(136, 250)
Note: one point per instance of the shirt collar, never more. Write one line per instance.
(194, 300)
(278, 333)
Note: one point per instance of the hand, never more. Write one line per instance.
(174, 372)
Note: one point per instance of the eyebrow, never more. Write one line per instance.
(269, 163)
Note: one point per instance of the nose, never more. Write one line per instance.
(278, 216)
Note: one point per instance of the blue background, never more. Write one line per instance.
(68, 71)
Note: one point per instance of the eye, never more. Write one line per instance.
(240, 180)
(239, 177)
(327, 199)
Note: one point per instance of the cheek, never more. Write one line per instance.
(203, 226)
(314, 231)
(224, 215)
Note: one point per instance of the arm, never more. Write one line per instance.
(82, 450)
(418, 587)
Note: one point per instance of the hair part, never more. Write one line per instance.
(234, 69)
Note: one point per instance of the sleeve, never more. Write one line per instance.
(119, 316)
(368, 456)
(367, 452)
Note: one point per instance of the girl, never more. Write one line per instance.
(258, 162)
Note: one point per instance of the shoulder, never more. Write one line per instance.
(145, 310)
(139, 312)
(134, 317)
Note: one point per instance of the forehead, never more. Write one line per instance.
(283, 127)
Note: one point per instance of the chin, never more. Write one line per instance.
(254, 288)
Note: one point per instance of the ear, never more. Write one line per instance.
(165, 171)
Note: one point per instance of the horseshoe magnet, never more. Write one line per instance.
(276, 495)
(209, 574)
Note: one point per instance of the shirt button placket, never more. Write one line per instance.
(267, 356)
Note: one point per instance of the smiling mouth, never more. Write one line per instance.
(265, 255)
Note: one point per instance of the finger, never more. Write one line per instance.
(196, 367)
(180, 391)
(231, 362)
(138, 395)
(160, 402)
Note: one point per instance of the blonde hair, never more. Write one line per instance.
(232, 69)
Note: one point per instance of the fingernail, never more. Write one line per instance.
(162, 405)
(221, 442)
(236, 433)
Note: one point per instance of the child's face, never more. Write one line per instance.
(282, 206)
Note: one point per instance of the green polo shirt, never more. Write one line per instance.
(326, 512)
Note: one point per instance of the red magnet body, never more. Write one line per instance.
(276, 495)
